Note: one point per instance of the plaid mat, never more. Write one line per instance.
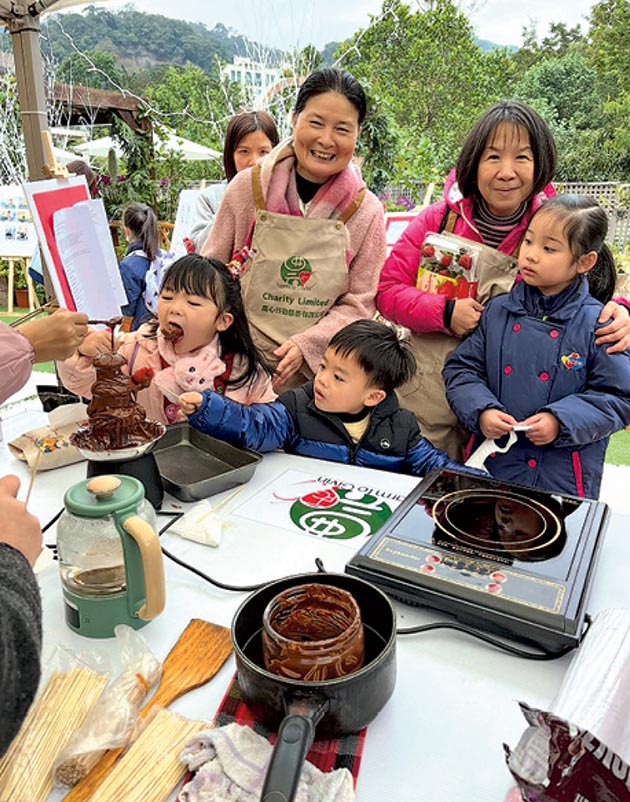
(335, 753)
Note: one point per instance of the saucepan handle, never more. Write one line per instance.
(295, 737)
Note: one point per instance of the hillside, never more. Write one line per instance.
(140, 40)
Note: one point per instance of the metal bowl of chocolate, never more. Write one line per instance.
(313, 632)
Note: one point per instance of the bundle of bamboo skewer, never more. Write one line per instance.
(61, 707)
(151, 768)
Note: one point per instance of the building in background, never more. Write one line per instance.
(251, 75)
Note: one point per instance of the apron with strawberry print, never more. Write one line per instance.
(424, 394)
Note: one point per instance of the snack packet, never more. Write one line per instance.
(556, 761)
(448, 267)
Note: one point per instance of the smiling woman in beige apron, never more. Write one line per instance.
(317, 233)
(502, 177)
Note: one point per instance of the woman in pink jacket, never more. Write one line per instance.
(502, 176)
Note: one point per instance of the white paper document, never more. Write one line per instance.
(88, 258)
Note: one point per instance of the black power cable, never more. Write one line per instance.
(473, 633)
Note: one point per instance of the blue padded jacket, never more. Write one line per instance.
(392, 441)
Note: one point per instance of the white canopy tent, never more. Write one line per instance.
(172, 143)
(64, 156)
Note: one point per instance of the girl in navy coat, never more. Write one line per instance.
(533, 362)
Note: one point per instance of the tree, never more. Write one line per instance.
(429, 75)
(565, 92)
(560, 41)
(609, 50)
(95, 68)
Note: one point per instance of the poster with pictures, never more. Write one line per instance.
(17, 232)
(338, 507)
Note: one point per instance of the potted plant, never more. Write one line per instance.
(20, 287)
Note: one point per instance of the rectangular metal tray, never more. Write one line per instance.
(194, 465)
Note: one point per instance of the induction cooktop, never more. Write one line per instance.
(509, 559)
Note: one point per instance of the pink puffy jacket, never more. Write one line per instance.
(398, 299)
(16, 361)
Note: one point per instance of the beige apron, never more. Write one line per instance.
(424, 395)
(297, 273)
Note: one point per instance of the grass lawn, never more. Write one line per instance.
(45, 367)
(619, 449)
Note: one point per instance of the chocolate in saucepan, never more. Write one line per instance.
(313, 632)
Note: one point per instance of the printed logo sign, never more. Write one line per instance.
(296, 271)
(339, 513)
(345, 508)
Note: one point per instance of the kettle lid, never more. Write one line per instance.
(103, 495)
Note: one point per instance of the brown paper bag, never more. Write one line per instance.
(52, 442)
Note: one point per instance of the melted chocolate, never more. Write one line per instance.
(171, 332)
(313, 632)
(116, 420)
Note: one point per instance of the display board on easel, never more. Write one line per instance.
(17, 232)
(75, 241)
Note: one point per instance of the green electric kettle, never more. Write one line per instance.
(110, 558)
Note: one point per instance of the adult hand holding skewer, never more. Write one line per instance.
(56, 336)
(98, 342)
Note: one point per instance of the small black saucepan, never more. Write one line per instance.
(335, 707)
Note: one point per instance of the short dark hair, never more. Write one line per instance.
(387, 360)
(239, 126)
(585, 225)
(332, 79)
(516, 114)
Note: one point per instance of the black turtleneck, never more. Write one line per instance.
(305, 189)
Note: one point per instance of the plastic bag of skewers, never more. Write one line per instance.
(72, 686)
(111, 722)
(448, 266)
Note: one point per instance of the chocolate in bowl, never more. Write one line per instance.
(313, 632)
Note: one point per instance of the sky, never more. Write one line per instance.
(283, 23)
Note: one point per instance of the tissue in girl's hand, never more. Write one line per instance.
(200, 524)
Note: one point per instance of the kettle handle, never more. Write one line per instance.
(152, 564)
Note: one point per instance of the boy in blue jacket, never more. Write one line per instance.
(348, 413)
(533, 364)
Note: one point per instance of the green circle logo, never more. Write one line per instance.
(339, 514)
(296, 271)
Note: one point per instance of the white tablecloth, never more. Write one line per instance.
(440, 736)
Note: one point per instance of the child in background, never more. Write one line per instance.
(141, 229)
(349, 412)
(533, 361)
(201, 339)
